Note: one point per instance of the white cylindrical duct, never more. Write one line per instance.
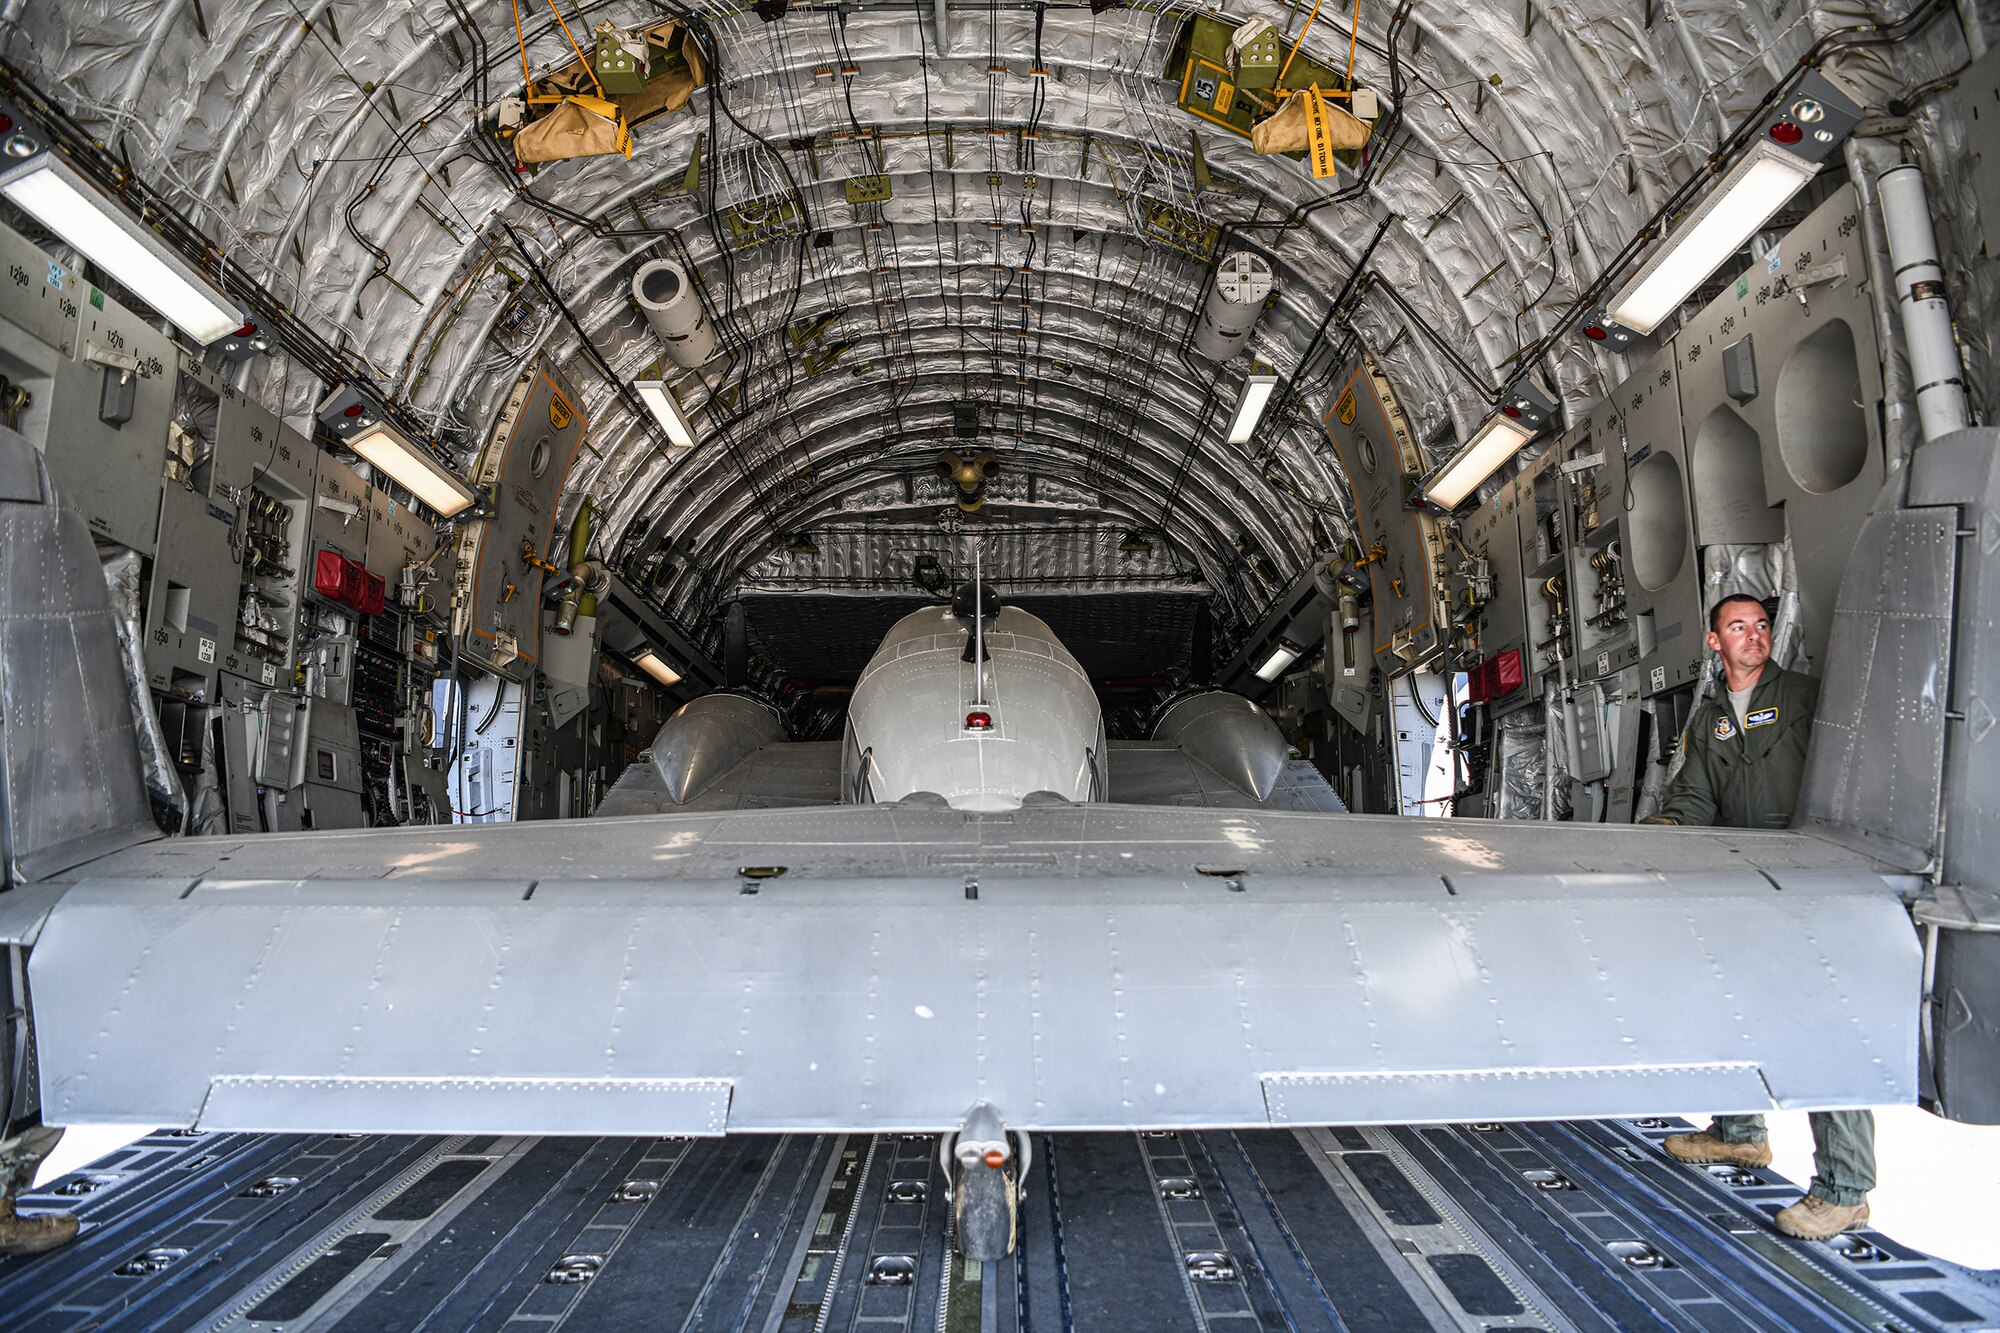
(1242, 282)
(662, 289)
(1918, 281)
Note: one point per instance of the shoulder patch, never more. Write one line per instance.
(1762, 717)
(1724, 729)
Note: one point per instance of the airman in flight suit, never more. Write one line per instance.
(1745, 755)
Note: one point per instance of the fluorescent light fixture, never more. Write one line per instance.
(1491, 445)
(1250, 407)
(655, 666)
(1736, 206)
(659, 399)
(1281, 657)
(104, 231)
(411, 466)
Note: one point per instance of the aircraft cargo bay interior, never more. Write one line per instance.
(993, 665)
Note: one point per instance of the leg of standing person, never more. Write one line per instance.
(1739, 1139)
(1843, 1173)
(19, 1156)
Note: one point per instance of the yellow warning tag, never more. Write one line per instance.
(1319, 145)
(1347, 408)
(559, 411)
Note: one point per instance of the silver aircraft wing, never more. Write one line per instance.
(885, 967)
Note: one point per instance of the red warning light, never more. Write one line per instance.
(1787, 133)
(978, 721)
(353, 410)
(1595, 333)
(1511, 411)
(995, 1158)
(6, 122)
(246, 331)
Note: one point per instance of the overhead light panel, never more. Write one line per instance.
(1744, 199)
(666, 409)
(1280, 659)
(656, 666)
(411, 466)
(1250, 405)
(1522, 414)
(38, 182)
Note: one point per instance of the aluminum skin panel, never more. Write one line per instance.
(1493, 532)
(710, 737)
(910, 707)
(1372, 442)
(631, 1106)
(1960, 470)
(786, 774)
(195, 594)
(1814, 422)
(38, 300)
(72, 780)
(254, 448)
(895, 1003)
(112, 471)
(1642, 504)
(50, 320)
(398, 536)
(1543, 556)
(527, 456)
(1876, 772)
(340, 514)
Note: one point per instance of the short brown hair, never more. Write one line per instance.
(1715, 612)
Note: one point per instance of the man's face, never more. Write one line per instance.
(1744, 639)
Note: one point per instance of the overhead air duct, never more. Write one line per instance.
(662, 289)
(1913, 254)
(1242, 284)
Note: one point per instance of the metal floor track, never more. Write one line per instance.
(1580, 1225)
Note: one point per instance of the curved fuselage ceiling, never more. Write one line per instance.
(1053, 221)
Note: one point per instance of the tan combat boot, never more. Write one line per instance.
(1700, 1149)
(1814, 1218)
(33, 1235)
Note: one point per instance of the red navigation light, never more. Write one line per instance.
(1787, 133)
(1511, 411)
(1595, 333)
(6, 122)
(353, 410)
(978, 721)
(995, 1158)
(246, 331)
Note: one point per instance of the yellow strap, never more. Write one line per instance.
(1319, 147)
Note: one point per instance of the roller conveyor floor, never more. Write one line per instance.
(1570, 1225)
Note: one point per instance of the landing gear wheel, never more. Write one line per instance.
(987, 1165)
(985, 1206)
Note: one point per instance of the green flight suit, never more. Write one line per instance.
(1747, 775)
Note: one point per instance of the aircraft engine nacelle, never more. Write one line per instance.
(983, 735)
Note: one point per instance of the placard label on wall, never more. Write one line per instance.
(206, 650)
